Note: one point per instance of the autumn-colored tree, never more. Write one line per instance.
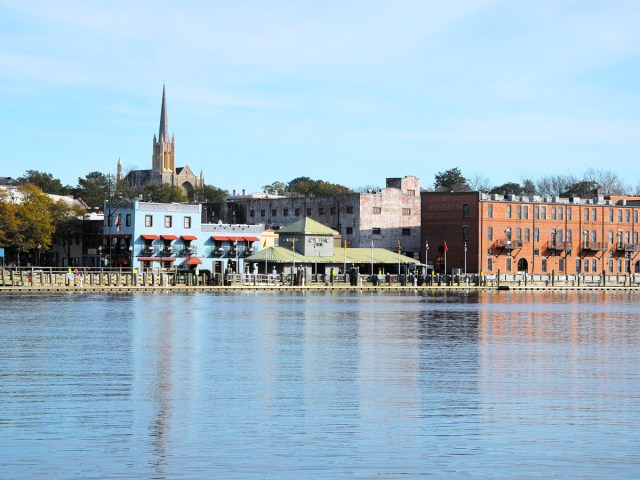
(34, 223)
(8, 222)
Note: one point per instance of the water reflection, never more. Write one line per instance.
(320, 385)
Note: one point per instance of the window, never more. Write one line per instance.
(263, 213)
(333, 210)
(128, 219)
(519, 234)
(465, 210)
(594, 236)
(308, 211)
(611, 237)
(594, 265)
(543, 213)
(560, 213)
(536, 234)
(569, 235)
(619, 265)
(167, 221)
(349, 209)
(377, 210)
(490, 210)
(465, 234)
(544, 265)
(553, 213)
(586, 214)
(109, 220)
(187, 222)
(611, 265)
(252, 213)
(508, 211)
(349, 230)
(611, 214)
(620, 215)
(274, 213)
(375, 231)
(635, 215)
(525, 212)
(508, 264)
(489, 264)
(536, 252)
(561, 264)
(321, 211)
(594, 214)
(285, 212)
(148, 220)
(519, 212)
(406, 231)
(406, 211)
(578, 263)
(586, 265)
(536, 213)
(627, 215)
(411, 193)
(527, 235)
(297, 212)
(568, 213)
(490, 234)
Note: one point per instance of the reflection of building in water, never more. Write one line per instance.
(555, 345)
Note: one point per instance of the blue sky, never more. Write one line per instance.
(349, 92)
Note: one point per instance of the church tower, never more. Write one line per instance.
(164, 150)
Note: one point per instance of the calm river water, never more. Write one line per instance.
(320, 385)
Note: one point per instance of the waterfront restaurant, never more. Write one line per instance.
(317, 250)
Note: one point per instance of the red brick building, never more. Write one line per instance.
(533, 234)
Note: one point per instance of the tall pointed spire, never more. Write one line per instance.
(164, 119)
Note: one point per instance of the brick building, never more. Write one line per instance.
(382, 217)
(492, 233)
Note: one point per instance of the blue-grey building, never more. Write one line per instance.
(146, 235)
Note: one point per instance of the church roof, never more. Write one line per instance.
(307, 226)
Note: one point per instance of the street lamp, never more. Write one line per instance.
(131, 256)
(100, 256)
(465, 258)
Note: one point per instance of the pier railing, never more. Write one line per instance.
(157, 277)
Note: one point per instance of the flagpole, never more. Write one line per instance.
(445, 260)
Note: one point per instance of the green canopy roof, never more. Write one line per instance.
(307, 226)
(340, 255)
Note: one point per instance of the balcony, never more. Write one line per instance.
(628, 247)
(167, 250)
(148, 249)
(595, 246)
(508, 245)
(559, 246)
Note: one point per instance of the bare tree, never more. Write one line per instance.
(608, 181)
(554, 185)
(479, 183)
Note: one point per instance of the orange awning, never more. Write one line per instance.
(251, 239)
(156, 259)
(189, 237)
(150, 237)
(193, 261)
(219, 238)
(168, 237)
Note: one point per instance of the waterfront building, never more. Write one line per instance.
(163, 162)
(316, 249)
(172, 236)
(385, 217)
(480, 232)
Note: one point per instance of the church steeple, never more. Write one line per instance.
(164, 118)
(163, 159)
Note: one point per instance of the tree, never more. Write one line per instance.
(608, 181)
(34, 223)
(528, 186)
(555, 185)
(479, 183)
(275, 188)
(210, 194)
(581, 189)
(451, 180)
(94, 189)
(304, 186)
(67, 220)
(164, 193)
(45, 182)
(509, 188)
(8, 221)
